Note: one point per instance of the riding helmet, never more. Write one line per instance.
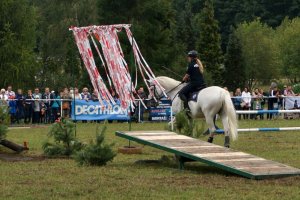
(193, 54)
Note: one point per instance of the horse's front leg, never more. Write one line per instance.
(171, 123)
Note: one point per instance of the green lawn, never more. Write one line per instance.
(123, 179)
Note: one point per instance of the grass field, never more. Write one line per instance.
(125, 179)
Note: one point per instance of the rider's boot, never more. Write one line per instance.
(187, 107)
(185, 101)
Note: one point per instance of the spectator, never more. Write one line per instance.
(36, 110)
(273, 100)
(140, 107)
(12, 109)
(246, 101)
(264, 95)
(237, 100)
(66, 106)
(85, 94)
(9, 92)
(95, 96)
(289, 91)
(284, 90)
(37, 93)
(257, 99)
(3, 97)
(20, 104)
(43, 112)
(76, 94)
(47, 108)
(55, 106)
(28, 108)
(71, 92)
(114, 95)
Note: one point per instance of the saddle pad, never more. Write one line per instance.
(193, 96)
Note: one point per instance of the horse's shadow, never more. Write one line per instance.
(193, 167)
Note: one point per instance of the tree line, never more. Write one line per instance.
(241, 42)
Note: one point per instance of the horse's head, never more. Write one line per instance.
(156, 89)
(161, 85)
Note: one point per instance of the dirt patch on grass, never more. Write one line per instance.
(10, 157)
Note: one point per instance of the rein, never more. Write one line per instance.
(171, 91)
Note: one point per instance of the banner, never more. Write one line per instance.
(291, 102)
(92, 110)
(162, 112)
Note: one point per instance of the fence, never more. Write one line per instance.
(266, 111)
(220, 131)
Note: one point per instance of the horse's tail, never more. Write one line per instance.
(230, 112)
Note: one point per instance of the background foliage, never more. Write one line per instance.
(257, 40)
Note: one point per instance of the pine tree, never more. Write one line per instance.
(65, 142)
(185, 30)
(209, 43)
(17, 43)
(96, 153)
(234, 69)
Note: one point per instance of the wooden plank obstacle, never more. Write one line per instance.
(187, 148)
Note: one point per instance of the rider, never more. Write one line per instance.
(193, 77)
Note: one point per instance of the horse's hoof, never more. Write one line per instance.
(227, 141)
(210, 140)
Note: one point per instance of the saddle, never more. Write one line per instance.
(194, 95)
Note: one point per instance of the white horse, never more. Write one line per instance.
(211, 101)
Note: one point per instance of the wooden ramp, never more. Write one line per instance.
(237, 162)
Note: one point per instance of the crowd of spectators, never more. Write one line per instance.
(45, 106)
(41, 106)
(258, 99)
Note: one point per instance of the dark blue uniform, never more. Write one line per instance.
(196, 81)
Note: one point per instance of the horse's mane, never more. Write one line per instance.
(167, 81)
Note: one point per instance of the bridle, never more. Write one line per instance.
(162, 95)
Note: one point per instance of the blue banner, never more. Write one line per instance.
(162, 112)
(92, 110)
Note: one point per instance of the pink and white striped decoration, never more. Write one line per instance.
(85, 51)
(114, 64)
